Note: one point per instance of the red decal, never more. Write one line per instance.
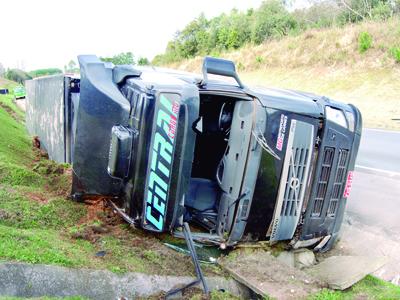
(281, 132)
(348, 184)
(175, 108)
(172, 127)
(173, 120)
(279, 143)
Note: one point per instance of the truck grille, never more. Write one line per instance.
(295, 182)
(324, 178)
(295, 172)
(338, 183)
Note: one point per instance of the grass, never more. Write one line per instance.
(395, 51)
(32, 218)
(8, 99)
(328, 62)
(370, 288)
(44, 298)
(43, 246)
(38, 224)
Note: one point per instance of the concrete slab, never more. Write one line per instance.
(362, 240)
(267, 276)
(341, 272)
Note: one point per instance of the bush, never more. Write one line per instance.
(143, 61)
(124, 58)
(382, 11)
(17, 75)
(395, 51)
(319, 15)
(44, 72)
(364, 41)
(259, 59)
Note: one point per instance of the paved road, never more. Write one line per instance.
(375, 201)
(380, 149)
(375, 196)
(373, 208)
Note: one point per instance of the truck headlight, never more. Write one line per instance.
(351, 121)
(336, 115)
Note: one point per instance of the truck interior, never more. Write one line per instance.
(223, 132)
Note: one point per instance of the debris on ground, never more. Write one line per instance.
(304, 258)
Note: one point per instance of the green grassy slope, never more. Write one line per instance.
(328, 62)
(45, 298)
(38, 224)
(28, 229)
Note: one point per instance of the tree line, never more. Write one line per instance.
(272, 19)
(18, 75)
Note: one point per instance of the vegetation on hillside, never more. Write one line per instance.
(17, 75)
(271, 20)
(329, 62)
(71, 67)
(20, 76)
(124, 58)
(45, 72)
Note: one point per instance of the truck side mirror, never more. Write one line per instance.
(218, 66)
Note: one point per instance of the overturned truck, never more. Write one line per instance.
(168, 148)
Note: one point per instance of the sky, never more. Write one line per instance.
(49, 33)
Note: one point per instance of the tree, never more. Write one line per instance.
(45, 72)
(71, 64)
(191, 39)
(2, 70)
(271, 20)
(71, 67)
(143, 61)
(320, 14)
(358, 10)
(124, 58)
(17, 75)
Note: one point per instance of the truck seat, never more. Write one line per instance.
(203, 195)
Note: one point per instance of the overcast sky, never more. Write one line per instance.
(48, 33)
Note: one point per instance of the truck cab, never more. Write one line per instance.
(240, 164)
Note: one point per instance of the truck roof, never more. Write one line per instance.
(295, 101)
